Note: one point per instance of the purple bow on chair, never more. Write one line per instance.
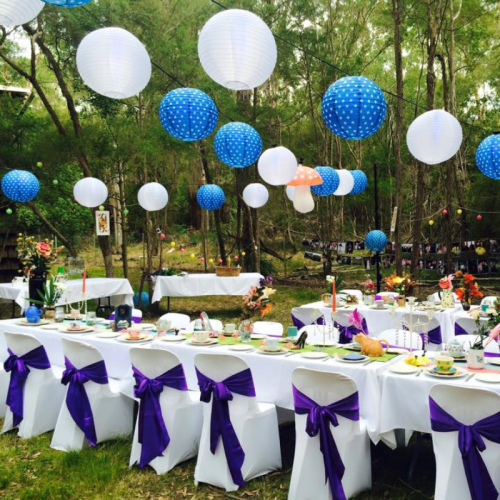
(19, 368)
(153, 434)
(299, 324)
(77, 399)
(319, 419)
(434, 336)
(471, 443)
(459, 330)
(347, 333)
(220, 424)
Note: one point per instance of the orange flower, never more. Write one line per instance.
(468, 278)
(458, 274)
(266, 310)
(460, 293)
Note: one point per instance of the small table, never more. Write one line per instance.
(198, 285)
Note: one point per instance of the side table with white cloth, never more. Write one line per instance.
(11, 291)
(198, 285)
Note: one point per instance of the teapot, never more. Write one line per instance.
(455, 348)
(33, 314)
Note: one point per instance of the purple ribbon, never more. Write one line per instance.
(319, 419)
(433, 335)
(470, 443)
(299, 324)
(18, 366)
(153, 434)
(220, 424)
(77, 399)
(347, 333)
(459, 330)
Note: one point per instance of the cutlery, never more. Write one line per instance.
(469, 377)
(368, 362)
(290, 354)
(419, 373)
(326, 359)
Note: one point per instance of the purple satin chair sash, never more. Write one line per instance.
(433, 335)
(77, 399)
(299, 324)
(135, 319)
(471, 443)
(153, 434)
(347, 333)
(220, 425)
(459, 330)
(319, 419)
(19, 368)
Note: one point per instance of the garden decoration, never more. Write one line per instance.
(277, 166)
(488, 157)
(67, 3)
(368, 291)
(400, 285)
(360, 181)
(255, 195)
(305, 177)
(331, 181)
(152, 197)
(479, 217)
(210, 197)
(237, 49)
(144, 299)
(434, 137)
(290, 192)
(354, 108)
(90, 192)
(376, 241)
(467, 289)
(55, 182)
(188, 114)
(346, 183)
(14, 13)
(371, 347)
(9, 211)
(20, 186)
(237, 145)
(446, 292)
(107, 74)
(228, 269)
(419, 326)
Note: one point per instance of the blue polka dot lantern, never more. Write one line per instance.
(20, 186)
(488, 157)
(144, 299)
(376, 241)
(354, 108)
(237, 145)
(330, 184)
(67, 3)
(188, 114)
(360, 181)
(210, 197)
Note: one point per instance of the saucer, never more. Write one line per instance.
(457, 374)
(314, 355)
(241, 347)
(209, 341)
(491, 378)
(396, 350)
(448, 373)
(172, 338)
(24, 322)
(83, 329)
(108, 335)
(258, 336)
(125, 338)
(352, 358)
(492, 361)
(403, 368)
(278, 351)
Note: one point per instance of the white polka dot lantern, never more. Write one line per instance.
(488, 157)
(152, 197)
(346, 183)
(113, 63)
(20, 186)
(237, 145)
(90, 192)
(277, 166)
(17, 12)
(255, 195)
(237, 49)
(434, 137)
(304, 178)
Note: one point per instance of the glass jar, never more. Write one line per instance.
(246, 330)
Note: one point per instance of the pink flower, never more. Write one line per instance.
(356, 320)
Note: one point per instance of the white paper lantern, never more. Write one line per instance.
(277, 166)
(17, 12)
(255, 195)
(90, 192)
(346, 184)
(113, 63)
(434, 137)
(152, 197)
(237, 49)
(290, 192)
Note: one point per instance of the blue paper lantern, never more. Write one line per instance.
(144, 299)
(376, 240)
(331, 181)
(67, 3)
(237, 145)
(210, 197)
(360, 181)
(354, 108)
(488, 157)
(20, 186)
(188, 114)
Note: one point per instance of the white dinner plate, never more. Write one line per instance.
(51, 326)
(108, 335)
(314, 355)
(208, 342)
(458, 374)
(23, 322)
(258, 336)
(87, 329)
(493, 361)
(172, 338)
(328, 343)
(379, 308)
(273, 353)
(241, 347)
(364, 360)
(492, 378)
(123, 338)
(145, 326)
(403, 368)
(397, 350)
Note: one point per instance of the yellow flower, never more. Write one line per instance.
(397, 280)
(269, 291)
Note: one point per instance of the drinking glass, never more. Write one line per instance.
(91, 318)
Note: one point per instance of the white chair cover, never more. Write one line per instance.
(181, 411)
(468, 406)
(351, 438)
(177, 320)
(216, 325)
(402, 338)
(468, 340)
(307, 316)
(432, 325)
(112, 412)
(137, 313)
(4, 385)
(490, 300)
(43, 392)
(270, 328)
(255, 425)
(468, 324)
(315, 334)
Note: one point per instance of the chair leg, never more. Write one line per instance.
(13, 309)
(416, 454)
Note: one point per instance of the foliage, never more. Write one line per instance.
(36, 256)
(51, 293)
(339, 284)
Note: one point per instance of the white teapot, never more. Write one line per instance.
(455, 348)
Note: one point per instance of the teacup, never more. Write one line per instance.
(272, 344)
(444, 363)
(200, 336)
(230, 328)
(74, 325)
(379, 303)
(292, 331)
(134, 332)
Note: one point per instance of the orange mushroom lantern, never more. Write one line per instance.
(305, 177)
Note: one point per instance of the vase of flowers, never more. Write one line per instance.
(400, 285)
(467, 289)
(52, 291)
(368, 291)
(257, 301)
(446, 292)
(327, 297)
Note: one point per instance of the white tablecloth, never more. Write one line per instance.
(119, 289)
(195, 285)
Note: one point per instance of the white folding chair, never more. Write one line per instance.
(112, 412)
(490, 300)
(468, 406)
(270, 328)
(316, 334)
(216, 325)
(351, 439)
(467, 324)
(177, 320)
(468, 340)
(402, 338)
(42, 396)
(255, 425)
(181, 411)
(4, 385)
(137, 315)
(302, 316)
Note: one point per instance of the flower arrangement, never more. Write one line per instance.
(36, 256)
(368, 286)
(257, 300)
(446, 282)
(339, 283)
(468, 287)
(356, 320)
(489, 327)
(52, 292)
(399, 284)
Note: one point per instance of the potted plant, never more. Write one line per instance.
(468, 288)
(327, 297)
(52, 292)
(400, 285)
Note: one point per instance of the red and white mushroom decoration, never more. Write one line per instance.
(305, 177)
